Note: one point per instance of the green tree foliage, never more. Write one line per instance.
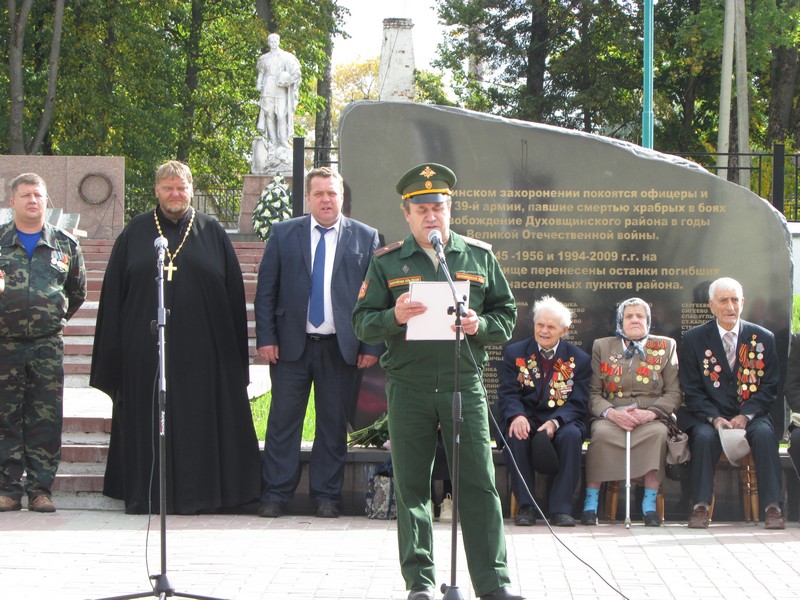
(352, 82)
(559, 62)
(164, 79)
(578, 64)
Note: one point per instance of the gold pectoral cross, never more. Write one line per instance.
(170, 268)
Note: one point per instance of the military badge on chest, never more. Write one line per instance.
(528, 370)
(611, 377)
(751, 368)
(561, 382)
(711, 367)
(59, 261)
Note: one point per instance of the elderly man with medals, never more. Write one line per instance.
(632, 372)
(729, 374)
(543, 393)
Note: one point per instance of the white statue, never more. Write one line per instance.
(278, 81)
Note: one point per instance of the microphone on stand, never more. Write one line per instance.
(161, 247)
(435, 239)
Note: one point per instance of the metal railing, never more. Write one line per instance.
(774, 176)
(221, 203)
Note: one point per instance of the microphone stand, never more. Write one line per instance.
(161, 587)
(451, 592)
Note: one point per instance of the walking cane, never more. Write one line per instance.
(627, 480)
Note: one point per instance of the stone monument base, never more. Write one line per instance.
(252, 187)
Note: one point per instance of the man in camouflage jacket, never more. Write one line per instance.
(44, 284)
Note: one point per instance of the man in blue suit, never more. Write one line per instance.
(543, 393)
(308, 282)
(729, 373)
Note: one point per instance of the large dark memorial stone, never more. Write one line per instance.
(587, 219)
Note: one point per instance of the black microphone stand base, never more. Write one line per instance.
(162, 589)
(451, 592)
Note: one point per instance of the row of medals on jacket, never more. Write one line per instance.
(648, 369)
(561, 382)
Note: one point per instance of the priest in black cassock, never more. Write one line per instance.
(212, 453)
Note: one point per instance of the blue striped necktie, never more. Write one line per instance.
(316, 314)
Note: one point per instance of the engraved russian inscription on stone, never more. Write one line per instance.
(587, 219)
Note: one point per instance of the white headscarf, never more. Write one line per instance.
(634, 346)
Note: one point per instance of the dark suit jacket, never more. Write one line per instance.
(701, 352)
(791, 387)
(284, 285)
(517, 399)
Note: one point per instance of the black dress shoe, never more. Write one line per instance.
(421, 594)
(501, 593)
(651, 519)
(562, 520)
(589, 517)
(525, 517)
(328, 510)
(270, 509)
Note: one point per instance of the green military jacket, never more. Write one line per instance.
(43, 292)
(430, 365)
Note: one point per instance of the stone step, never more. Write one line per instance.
(74, 471)
(69, 500)
(76, 381)
(77, 482)
(84, 454)
(80, 365)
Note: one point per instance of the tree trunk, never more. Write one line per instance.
(785, 73)
(52, 80)
(266, 14)
(322, 124)
(537, 61)
(687, 124)
(16, 41)
(191, 81)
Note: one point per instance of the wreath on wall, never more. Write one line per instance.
(103, 196)
(274, 204)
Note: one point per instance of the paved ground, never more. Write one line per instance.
(76, 554)
(93, 554)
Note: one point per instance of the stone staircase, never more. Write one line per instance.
(87, 412)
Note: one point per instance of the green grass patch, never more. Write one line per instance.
(259, 406)
(796, 313)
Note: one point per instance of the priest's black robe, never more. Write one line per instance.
(213, 459)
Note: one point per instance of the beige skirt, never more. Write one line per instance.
(605, 457)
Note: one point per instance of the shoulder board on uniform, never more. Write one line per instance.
(57, 231)
(389, 248)
(479, 243)
(70, 237)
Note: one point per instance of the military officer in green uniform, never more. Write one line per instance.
(420, 382)
(45, 284)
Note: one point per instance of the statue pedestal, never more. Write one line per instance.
(252, 187)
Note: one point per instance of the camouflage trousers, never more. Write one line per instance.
(31, 396)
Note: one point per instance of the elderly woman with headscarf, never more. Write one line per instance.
(632, 372)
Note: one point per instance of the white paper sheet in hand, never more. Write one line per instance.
(435, 323)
